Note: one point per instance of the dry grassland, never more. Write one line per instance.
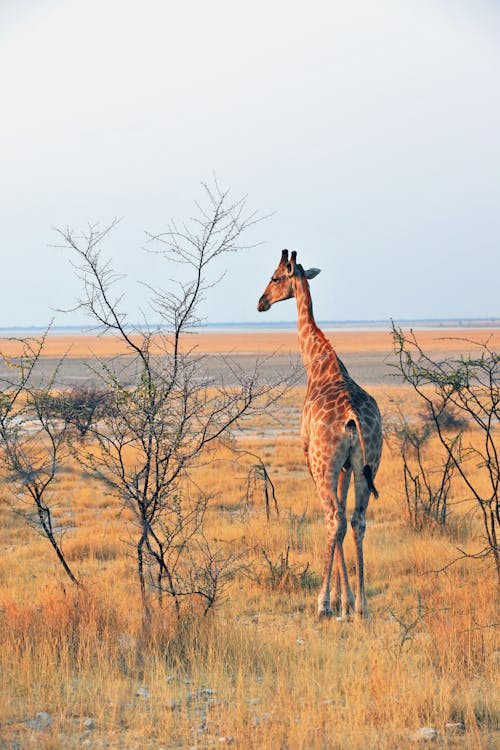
(82, 669)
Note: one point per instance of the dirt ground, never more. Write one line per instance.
(367, 355)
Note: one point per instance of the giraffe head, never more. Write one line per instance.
(282, 284)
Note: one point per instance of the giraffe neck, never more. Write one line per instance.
(317, 352)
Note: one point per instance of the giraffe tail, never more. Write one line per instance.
(367, 471)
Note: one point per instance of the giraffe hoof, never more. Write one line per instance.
(364, 615)
(325, 613)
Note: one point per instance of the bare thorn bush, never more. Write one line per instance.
(468, 388)
(33, 447)
(162, 425)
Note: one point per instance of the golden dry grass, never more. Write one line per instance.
(83, 669)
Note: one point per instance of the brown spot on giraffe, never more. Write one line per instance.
(341, 432)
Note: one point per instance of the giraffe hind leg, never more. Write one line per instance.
(358, 525)
(336, 530)
(336, 526)
(342, 600)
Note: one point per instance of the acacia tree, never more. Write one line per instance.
(33, 446)
(469, 385)
(427, 485)
(77, 407)
(163, 424)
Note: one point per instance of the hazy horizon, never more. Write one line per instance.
(262, 324)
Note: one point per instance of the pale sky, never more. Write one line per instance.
(369, 130)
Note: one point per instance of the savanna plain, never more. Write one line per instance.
(83, 667)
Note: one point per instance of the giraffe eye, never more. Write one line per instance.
(275, 279)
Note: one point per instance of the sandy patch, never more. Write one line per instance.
(265, 342)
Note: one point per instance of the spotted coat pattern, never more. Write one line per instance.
(341, 432)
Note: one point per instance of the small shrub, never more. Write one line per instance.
(427, 485)
(79, 407)
(297, 526)
(281, 575)
(448, 419)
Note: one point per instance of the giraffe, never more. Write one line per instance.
(341, 432)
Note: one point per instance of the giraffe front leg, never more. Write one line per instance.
(336, 595)
(324, 609)
(336, 529)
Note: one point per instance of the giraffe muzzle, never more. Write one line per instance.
(263, 304)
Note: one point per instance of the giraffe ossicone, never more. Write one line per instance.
(341, 432)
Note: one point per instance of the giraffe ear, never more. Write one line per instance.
(312, 272)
